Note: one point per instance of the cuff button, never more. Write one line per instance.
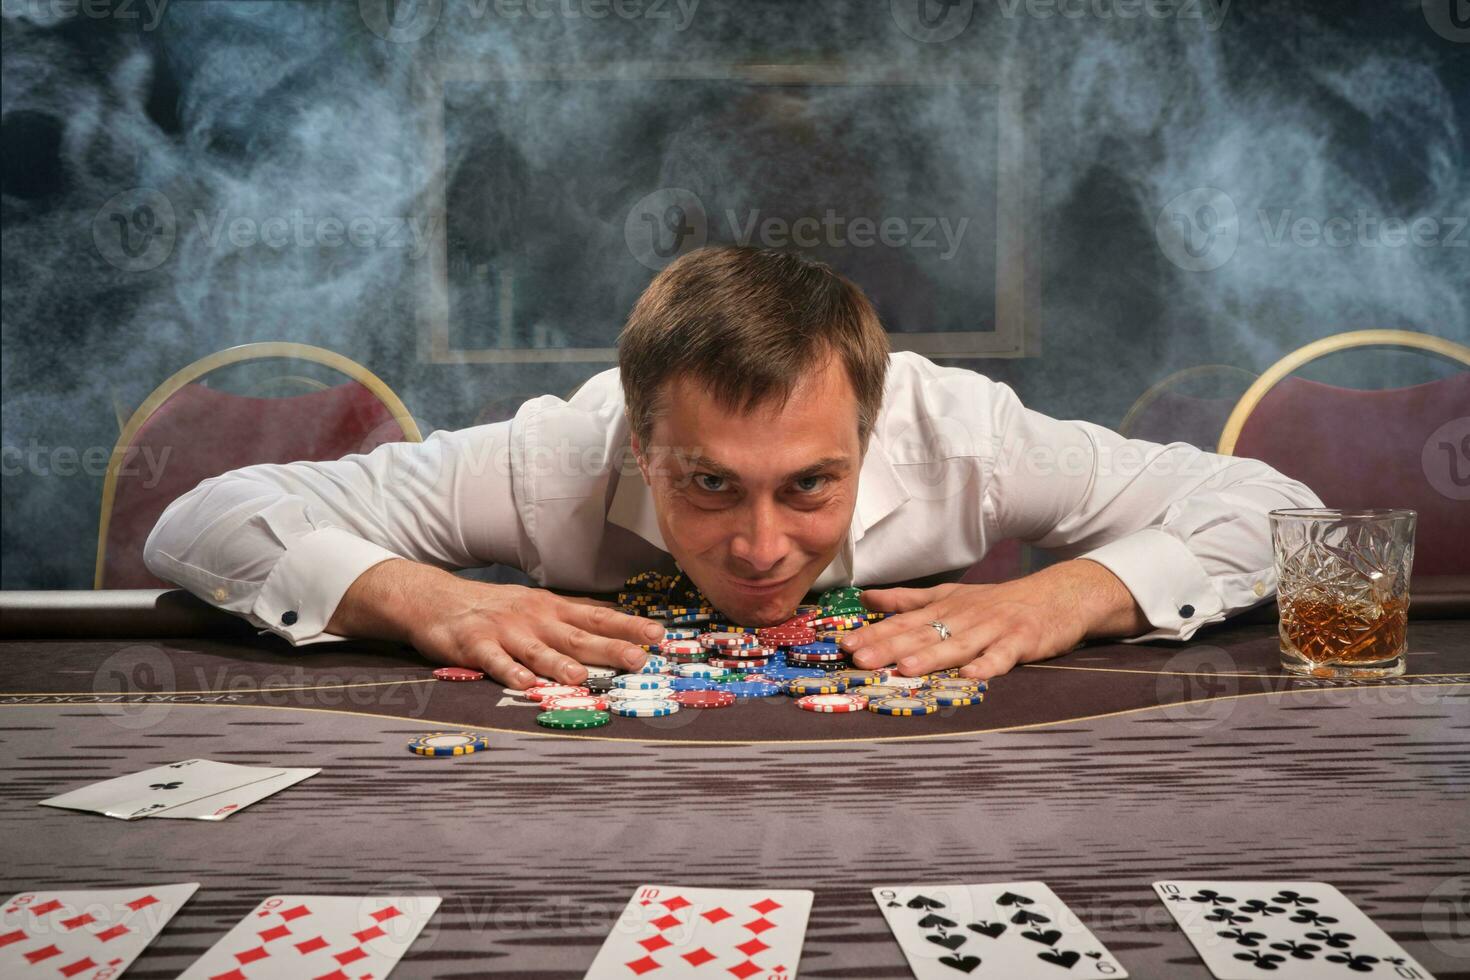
(288, 617)
(1186, 611)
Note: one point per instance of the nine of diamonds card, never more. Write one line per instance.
(672, 932)
(83, 934)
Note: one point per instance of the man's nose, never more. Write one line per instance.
(761, 540)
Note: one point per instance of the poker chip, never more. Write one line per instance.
(857, 678)
(802, 686)
(538, 682)
(955, 698)
(815, 658)
(620, 694)
(601, 672)
(792, 673)
(873, 692)
(556, 691)
(890, 679)
(727, 640)
(640, 682)
(681, 633)
(448, 743)
(574, 702)
(654, 665)
(598, 685)
(459, 674)
(956, 684)
(644, 708)
(738, 663)
(676, 648)
(844, 622)
(786, 636)
(573, 718)
(752, 689)
(693, 684)
(903, 706)
(704, 699)
(702, 616)
(700, 670)
(832, 703)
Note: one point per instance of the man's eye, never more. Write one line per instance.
(811, 484)
(709, 482)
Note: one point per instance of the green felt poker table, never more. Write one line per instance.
(1098, 772)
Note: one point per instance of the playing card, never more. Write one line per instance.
(671, 933)
(310, 936)
(145, 793)
(1291, 930)
(221, 805)
(994, 930)
(83, 935)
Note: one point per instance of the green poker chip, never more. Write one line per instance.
(573, 718)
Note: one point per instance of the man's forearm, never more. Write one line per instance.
(1106, 608)
(382, 602)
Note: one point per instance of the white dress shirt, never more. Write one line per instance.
(955, 464)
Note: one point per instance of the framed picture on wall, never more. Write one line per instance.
(558, 192)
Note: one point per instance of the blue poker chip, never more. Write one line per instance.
(819, 648)
(693, 684)
(654, 665)
(792, 673)
(752, 689)
(681, 633)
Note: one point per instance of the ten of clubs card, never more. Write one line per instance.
(1294, 930)
(1000, 930)
(672, 933)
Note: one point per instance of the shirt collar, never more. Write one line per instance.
(880, 493)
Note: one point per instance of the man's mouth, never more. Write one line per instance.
(759, 588)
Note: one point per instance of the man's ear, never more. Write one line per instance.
(637, 447)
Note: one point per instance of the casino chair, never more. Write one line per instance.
(206, 431)
(1187, 406)
(1395, 447)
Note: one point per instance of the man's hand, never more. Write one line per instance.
(995, 627)
(510, 632)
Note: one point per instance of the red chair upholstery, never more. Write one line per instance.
(193, 433)
(1360, 449)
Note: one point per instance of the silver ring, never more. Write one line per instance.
(942, 630)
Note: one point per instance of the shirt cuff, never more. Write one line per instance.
(1167, 582)
(308, 581)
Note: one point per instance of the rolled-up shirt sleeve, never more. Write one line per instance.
(279, 544)
(1185, 530)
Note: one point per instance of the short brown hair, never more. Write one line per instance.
(747, 323)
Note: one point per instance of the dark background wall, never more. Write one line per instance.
(1172, 151)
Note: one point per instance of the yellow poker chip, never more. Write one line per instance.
(448, 743)
(955, 698)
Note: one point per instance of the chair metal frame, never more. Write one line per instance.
(213, 362)
(1273, 375)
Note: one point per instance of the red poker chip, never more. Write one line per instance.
(787, 636)
(704, 699)
(567, 702)
(556, 691)
(729, 640)
(738, 663)
(459, 674)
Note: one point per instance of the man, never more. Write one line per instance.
(758, 431)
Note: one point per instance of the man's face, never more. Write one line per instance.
(755, 506)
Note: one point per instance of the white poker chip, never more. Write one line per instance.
(700, 670)
(681, 633)
(555, 691)
(654, 665)
(587, 701)
(619, 694)
(891, 679)
(600, 672)
(680, 648)
(729, 641)
(642, 682)
(644, 708)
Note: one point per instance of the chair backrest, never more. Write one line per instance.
(185, 432)
(1361, 449)
(1190, 405)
